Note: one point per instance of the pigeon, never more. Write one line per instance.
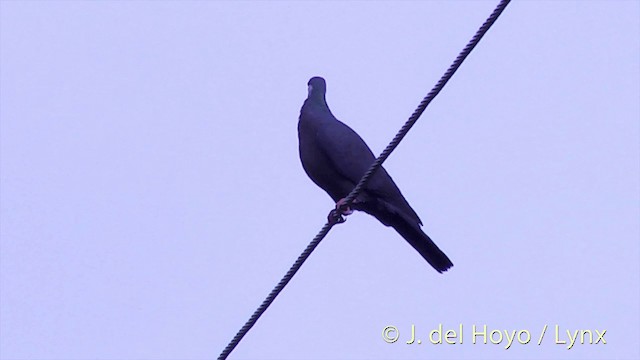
(335, 157)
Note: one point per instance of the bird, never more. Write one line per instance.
(335, 157)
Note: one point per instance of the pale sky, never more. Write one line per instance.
(151, 193)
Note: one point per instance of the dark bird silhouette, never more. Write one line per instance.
(335, 157)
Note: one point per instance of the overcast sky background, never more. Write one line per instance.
(152, 195)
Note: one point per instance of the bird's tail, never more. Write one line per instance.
(423, 244)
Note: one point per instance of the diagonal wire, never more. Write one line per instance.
(335, 217)
(276, 290)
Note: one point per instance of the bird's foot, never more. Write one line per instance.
(343, 207)
(336, 216)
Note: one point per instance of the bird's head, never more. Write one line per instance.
(317, 88)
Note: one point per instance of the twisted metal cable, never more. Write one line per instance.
(335, 217)
(276, 290)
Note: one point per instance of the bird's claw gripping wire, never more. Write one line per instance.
(336, 215)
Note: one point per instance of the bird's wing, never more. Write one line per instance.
(348, 154)
(350, 157)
